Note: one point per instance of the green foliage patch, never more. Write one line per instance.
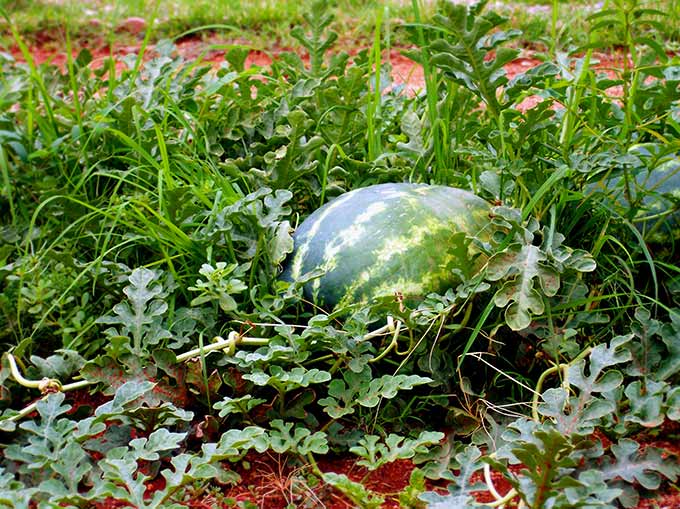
(147, 213)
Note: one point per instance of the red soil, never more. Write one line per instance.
(272, 483)
(405, 72)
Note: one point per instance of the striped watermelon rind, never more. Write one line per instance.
(388, 239)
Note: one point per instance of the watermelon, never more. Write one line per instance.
(389, 239)
(654, 188)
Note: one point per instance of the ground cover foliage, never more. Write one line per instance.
(260, 22)
(147, 214)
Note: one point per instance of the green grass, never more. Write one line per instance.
(265, 23)
(146, 213)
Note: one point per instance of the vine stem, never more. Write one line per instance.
(479, 357)
(30, 408)
(228, 345)
(233, 339)
(315, 466)
(500, 500)
(46, 386)
(395, 329)
(51, 385)
(385, 329)
(31, 384)
(547, 373)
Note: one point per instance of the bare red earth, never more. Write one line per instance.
(211, 49)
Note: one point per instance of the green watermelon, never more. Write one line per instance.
(389, 239)
(654, 188)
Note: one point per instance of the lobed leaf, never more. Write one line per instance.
(375, 453)
(461, 490)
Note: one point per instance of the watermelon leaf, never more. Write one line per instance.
(461, 490)
(581, 413)
(361, 389)
(471, 53)
(221, 281)
(376, 453)
(283, 438)
(140, 315)
(529, 273)
(241, 405)
(285, 381)
(527, 263)
(355, 491)
(632, 465)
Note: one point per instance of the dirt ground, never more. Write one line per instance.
(405, 72)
